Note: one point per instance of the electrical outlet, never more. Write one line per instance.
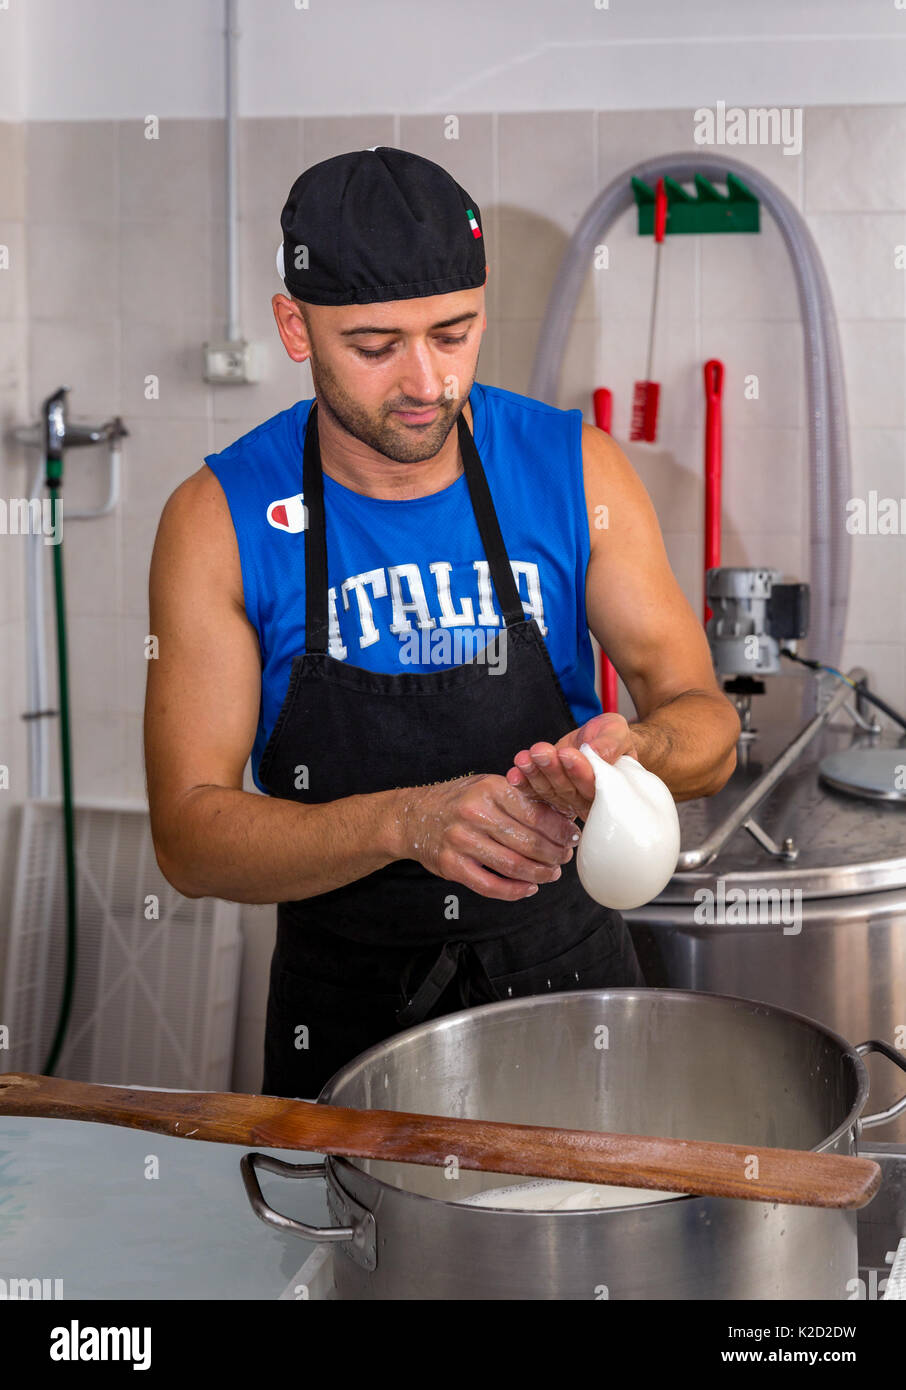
(230, 363)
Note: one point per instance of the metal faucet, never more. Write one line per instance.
(54, 432)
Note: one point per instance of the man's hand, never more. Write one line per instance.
(560, 775)
(482, 832)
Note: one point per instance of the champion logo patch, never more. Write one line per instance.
(288, 514)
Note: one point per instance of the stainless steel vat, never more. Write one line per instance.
(642, 1061)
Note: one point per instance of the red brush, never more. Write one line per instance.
(646, 393)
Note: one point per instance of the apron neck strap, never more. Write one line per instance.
(317, 631)
(489, 528)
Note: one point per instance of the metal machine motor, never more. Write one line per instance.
(753, 614)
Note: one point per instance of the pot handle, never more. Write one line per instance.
(248, 1165)
(875, 1045)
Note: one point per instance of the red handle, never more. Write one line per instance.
(609, 701)
(714, 385)
(660, 211)
(603, 401)
(714, 380)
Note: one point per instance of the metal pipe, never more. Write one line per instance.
(704, 853)
(231, 36)
(115, 460)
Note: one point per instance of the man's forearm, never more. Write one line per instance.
(224, 843)
(690, 743)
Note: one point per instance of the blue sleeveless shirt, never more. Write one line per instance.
(409, 583)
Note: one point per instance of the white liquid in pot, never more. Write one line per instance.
(546, 1194)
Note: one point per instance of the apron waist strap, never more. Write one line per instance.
(455, 960)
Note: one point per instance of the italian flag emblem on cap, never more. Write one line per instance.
(476, 230)
(288, 514)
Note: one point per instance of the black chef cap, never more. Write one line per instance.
(379, 224)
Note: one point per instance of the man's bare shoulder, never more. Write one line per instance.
(615, 494)
(196, 533)
(199, 489)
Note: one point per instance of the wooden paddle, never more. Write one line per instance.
(755, 1174)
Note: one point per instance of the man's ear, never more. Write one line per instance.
(291, 327)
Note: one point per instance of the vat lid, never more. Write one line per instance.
(876, 773)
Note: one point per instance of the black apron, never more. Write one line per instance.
(361, 962)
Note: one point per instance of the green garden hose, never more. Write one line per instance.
(54, 479)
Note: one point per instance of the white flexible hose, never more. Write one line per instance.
(829, 472)
(115, 459)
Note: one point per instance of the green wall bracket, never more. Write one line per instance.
(708, 210)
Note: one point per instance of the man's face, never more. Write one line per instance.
(372, 364)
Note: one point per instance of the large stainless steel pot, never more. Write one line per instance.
(843, 959)
(639, 1061)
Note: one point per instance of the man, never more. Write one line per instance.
(317, 590)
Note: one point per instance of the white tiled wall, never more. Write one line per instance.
(13, 408)
(131, 283)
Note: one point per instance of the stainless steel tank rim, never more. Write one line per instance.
(833, 881)
(666, 912)
(337, 1166)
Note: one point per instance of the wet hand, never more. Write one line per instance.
(486, 834)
